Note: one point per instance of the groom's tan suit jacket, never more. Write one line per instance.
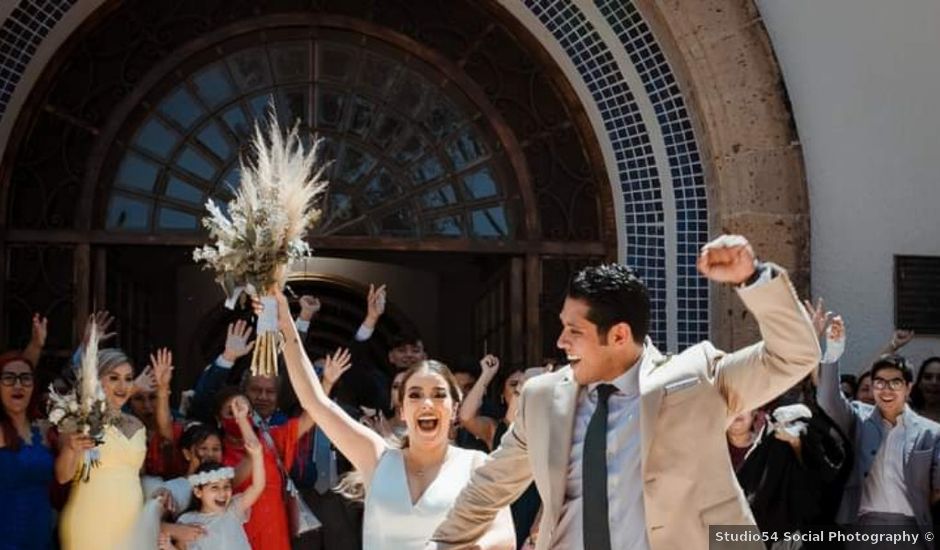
(687, 401)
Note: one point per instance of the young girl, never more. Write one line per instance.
(220, 513)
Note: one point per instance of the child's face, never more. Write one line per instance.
(215, 496)
(210, 449)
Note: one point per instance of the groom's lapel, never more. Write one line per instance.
(561, 428)
(651, 396)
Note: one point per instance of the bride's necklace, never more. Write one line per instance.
(423, 470)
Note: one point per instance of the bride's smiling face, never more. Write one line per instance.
(429, 407)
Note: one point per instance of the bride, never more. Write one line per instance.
(408, 490)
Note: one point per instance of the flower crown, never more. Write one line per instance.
(211, 476)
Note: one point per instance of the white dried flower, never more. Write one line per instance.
(56, 416)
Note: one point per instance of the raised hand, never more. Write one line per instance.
(836, 331)
(727, 259)
(162, 366)
(240, 408)
(146, 381)
(375, 304)
(818, 315)
(335, 365)
(236, 341)
(309, 306)
(103, 321)
(489, 366)
(901, 338)
(40, 330)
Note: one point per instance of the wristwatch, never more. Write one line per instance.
(759, 268)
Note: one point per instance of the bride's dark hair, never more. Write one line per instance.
(352, 486)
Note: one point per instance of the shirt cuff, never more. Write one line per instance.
(224, 363)
(834, 351)
(364, 333)
(763, 274)
(302, 326)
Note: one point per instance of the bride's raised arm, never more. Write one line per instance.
(359, 444)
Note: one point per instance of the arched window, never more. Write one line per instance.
(409, 155)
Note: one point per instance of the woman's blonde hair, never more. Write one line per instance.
(352, 485)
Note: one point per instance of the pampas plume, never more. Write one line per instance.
(89, 372)
(273, 208)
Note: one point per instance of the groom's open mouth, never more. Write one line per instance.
(574, 360)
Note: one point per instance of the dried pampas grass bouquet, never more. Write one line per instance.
(275, 205)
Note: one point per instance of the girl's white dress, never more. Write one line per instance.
(222, 530)
(390, 521)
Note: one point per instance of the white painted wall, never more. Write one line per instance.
(864, 80)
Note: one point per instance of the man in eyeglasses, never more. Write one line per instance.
(896, 475)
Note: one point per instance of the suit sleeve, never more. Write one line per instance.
(367, 377)
(212, 379)
(498, 482)
(830, 398)
(789, 351)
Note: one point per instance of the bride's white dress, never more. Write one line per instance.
(390, 521)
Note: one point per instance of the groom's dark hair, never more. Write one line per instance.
(614, 294)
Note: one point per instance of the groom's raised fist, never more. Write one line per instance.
(727, 259)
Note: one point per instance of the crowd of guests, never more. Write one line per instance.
(378, 446)
(840, 449)
(220, 470)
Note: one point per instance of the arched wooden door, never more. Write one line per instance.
(434, 149)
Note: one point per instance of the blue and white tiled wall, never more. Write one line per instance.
(638, 175)
(20, 35)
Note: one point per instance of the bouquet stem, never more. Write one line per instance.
(264, 358)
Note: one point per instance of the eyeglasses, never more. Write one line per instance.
(9, 379)
(895, 383)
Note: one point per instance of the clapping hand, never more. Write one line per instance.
(236, 341)
(727, 259)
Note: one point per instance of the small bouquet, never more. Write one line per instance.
(85, 408)
(273, 208)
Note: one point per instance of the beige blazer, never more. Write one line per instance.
(687, 401)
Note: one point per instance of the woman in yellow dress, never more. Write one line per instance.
(100, 513)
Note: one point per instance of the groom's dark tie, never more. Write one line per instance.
(594, 475)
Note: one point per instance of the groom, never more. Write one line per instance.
(627, 446)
